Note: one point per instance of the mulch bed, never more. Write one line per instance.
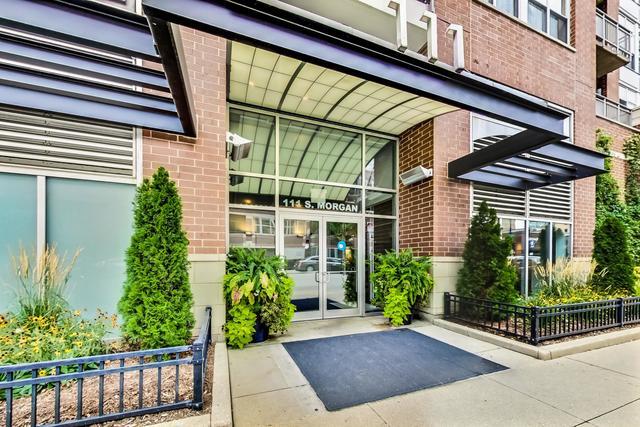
(68, 397)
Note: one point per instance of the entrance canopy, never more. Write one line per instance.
(283, 59)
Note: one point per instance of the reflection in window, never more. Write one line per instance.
(380, 203)
(245, 190)
(561, 241)
(516, 229)
(321, 197)
(311, 151)
(259, 128)
(380, 237)
(539, 251)
(253, 229)
(381, 163)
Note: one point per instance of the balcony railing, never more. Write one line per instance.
(612, 110)
(612, 35)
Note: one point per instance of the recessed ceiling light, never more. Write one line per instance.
(305, 98)
(251, 83)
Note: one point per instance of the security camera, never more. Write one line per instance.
(240, 146)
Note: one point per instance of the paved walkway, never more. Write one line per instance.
(601, 387)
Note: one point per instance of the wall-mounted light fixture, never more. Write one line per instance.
(240, 147)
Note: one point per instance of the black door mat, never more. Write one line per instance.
(353, 369)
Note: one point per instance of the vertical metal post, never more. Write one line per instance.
(197, 375)
(447, 305)
(535, 325)
(8, 395)
(620, 312)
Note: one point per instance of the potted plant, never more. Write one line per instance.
(401, 282)
(258, 295)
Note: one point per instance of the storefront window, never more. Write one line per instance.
(311, 151)
(245, 190)
(17, 227)
(380, 152)
(561, 241)
(515, 228)
(539, 252)
(95, 218)
(380, 237)
(253, 229)
(259, 128)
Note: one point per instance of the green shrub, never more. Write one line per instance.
(487, 271)
(257, 283)
(396, 306)
(240, 326)
(611, 252)
(632, 177)
(42, 282)
(607, 189)
(405, 273)
(157, 301)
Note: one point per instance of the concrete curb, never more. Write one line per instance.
(221, 415)
(548, 352)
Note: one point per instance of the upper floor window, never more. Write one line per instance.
(547, 16)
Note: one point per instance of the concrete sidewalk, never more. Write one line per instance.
(601, 387)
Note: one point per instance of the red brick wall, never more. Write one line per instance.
(198, 166)
(510, 52)
(416, 201)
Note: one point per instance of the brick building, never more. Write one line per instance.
(320, 185)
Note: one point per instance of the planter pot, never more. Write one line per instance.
(262, 332)
(408, 320)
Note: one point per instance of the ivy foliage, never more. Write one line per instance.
(256, 283)
(607, 189)
(397, 307)
(632, 179)
(487, 271)
(157, 301)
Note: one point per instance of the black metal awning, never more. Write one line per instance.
(528, 160)
(78, 58)
(91, 74)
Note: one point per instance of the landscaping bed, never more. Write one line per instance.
(68, 397)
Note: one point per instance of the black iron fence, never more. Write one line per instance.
(537, 324)
(89, 374)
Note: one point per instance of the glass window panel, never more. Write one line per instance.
(253, 229)
(342, 265)
(508, 6)
(17, 227)
(301, 245)
(516, 229)
(561, 241)
(539, 252)
(381, 162)
(95, 217)
(380, 203)
(259, 128)
(327, 198)
(558, 26)
(482, 128)
(245, 190)
(311, 151)
(537, 16)
(559, 6)
(380, 237)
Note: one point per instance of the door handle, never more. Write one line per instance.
(317, 276)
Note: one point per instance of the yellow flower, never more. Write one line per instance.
(76, 313)
(42, 373)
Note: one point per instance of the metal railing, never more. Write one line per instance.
(612, 110)
(537, 324)
(612, 35)
(59, 374)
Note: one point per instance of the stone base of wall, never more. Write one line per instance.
(206, 274)
(445, 274)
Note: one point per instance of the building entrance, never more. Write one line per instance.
(324, 259)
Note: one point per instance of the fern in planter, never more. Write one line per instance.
(256, 283)
(400, 274)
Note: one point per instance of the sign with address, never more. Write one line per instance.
(303, 203)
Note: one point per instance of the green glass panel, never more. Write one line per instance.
(260, 129)
(381, 162)
(17, 227)
(95, 217)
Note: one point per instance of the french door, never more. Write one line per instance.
(324, 258)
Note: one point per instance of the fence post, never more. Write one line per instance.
(620, 312)
(197, 375)
(447, 305)
(535, 325)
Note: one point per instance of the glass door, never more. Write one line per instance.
(323, 258)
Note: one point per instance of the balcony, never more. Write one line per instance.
(613, 111)
(613, 43)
